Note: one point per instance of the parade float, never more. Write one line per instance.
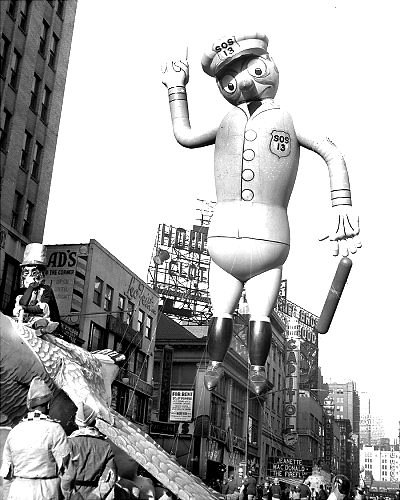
(76, 375)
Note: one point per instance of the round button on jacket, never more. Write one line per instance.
(247, 195)
(247, 174)
(248, 154)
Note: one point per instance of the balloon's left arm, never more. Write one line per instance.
(345, 228)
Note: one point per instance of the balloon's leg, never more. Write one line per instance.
(334, 294)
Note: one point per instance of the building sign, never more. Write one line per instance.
(292, 384)
(165, 386)
(289, 468)
(180, 267)
(305, 321)
(66, 272)
(166, 428)
(138, 292)
(181, 407)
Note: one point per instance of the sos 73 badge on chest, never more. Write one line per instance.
(280, 144)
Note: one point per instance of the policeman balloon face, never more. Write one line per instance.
(248, 79)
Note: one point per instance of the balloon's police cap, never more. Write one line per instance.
(35, 254)
(229, 48)
(38, 394)
(85, 415)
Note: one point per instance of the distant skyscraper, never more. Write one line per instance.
(347, 403)
(35, 46)
(371, 430)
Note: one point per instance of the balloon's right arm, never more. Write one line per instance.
(175, 78)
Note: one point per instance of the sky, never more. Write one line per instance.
(119, 172)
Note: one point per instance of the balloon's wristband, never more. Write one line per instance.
(340, 197)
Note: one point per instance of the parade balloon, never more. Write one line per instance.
(257, 150)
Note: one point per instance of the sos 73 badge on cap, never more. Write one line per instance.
(229, 48)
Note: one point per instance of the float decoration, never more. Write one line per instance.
(83, 376)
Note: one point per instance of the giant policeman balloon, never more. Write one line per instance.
(257, 149)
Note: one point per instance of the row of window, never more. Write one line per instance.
(25, 5)
(103, 296)
(16, 57)
(5, 127)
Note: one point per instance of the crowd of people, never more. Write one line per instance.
(245, 487)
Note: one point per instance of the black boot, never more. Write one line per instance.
(219, 339)
(259, 343)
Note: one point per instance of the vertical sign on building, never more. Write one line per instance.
(165, 386)
(66, 273)
(292, 387)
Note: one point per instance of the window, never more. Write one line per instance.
(217, 411)
(121, 306)
(5, 129)
(60, 8)
(28, 214)
(12, 8)
(141, 365)
(45, 104)
(129, 313)
(140, 321)
(108, 298)
(53, 50)
(15, 63)
(4, 51)
(140, 408)
(37, 160)
(43, 38)
(35, 92)
(98, 338)
(10, 280)
(23, 163)
(149, 323)
(23, 22)
(16, 209)
(98, 291)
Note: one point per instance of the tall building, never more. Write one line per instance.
(381, 463)
(35, 46)
(104, 305)
(371, 429)
(217, 432)
(346, 403)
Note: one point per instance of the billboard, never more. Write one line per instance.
(179, 271)
(66, 273)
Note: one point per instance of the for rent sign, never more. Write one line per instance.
(181, 406)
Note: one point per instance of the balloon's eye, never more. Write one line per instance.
(229, 84)
(257, 68)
